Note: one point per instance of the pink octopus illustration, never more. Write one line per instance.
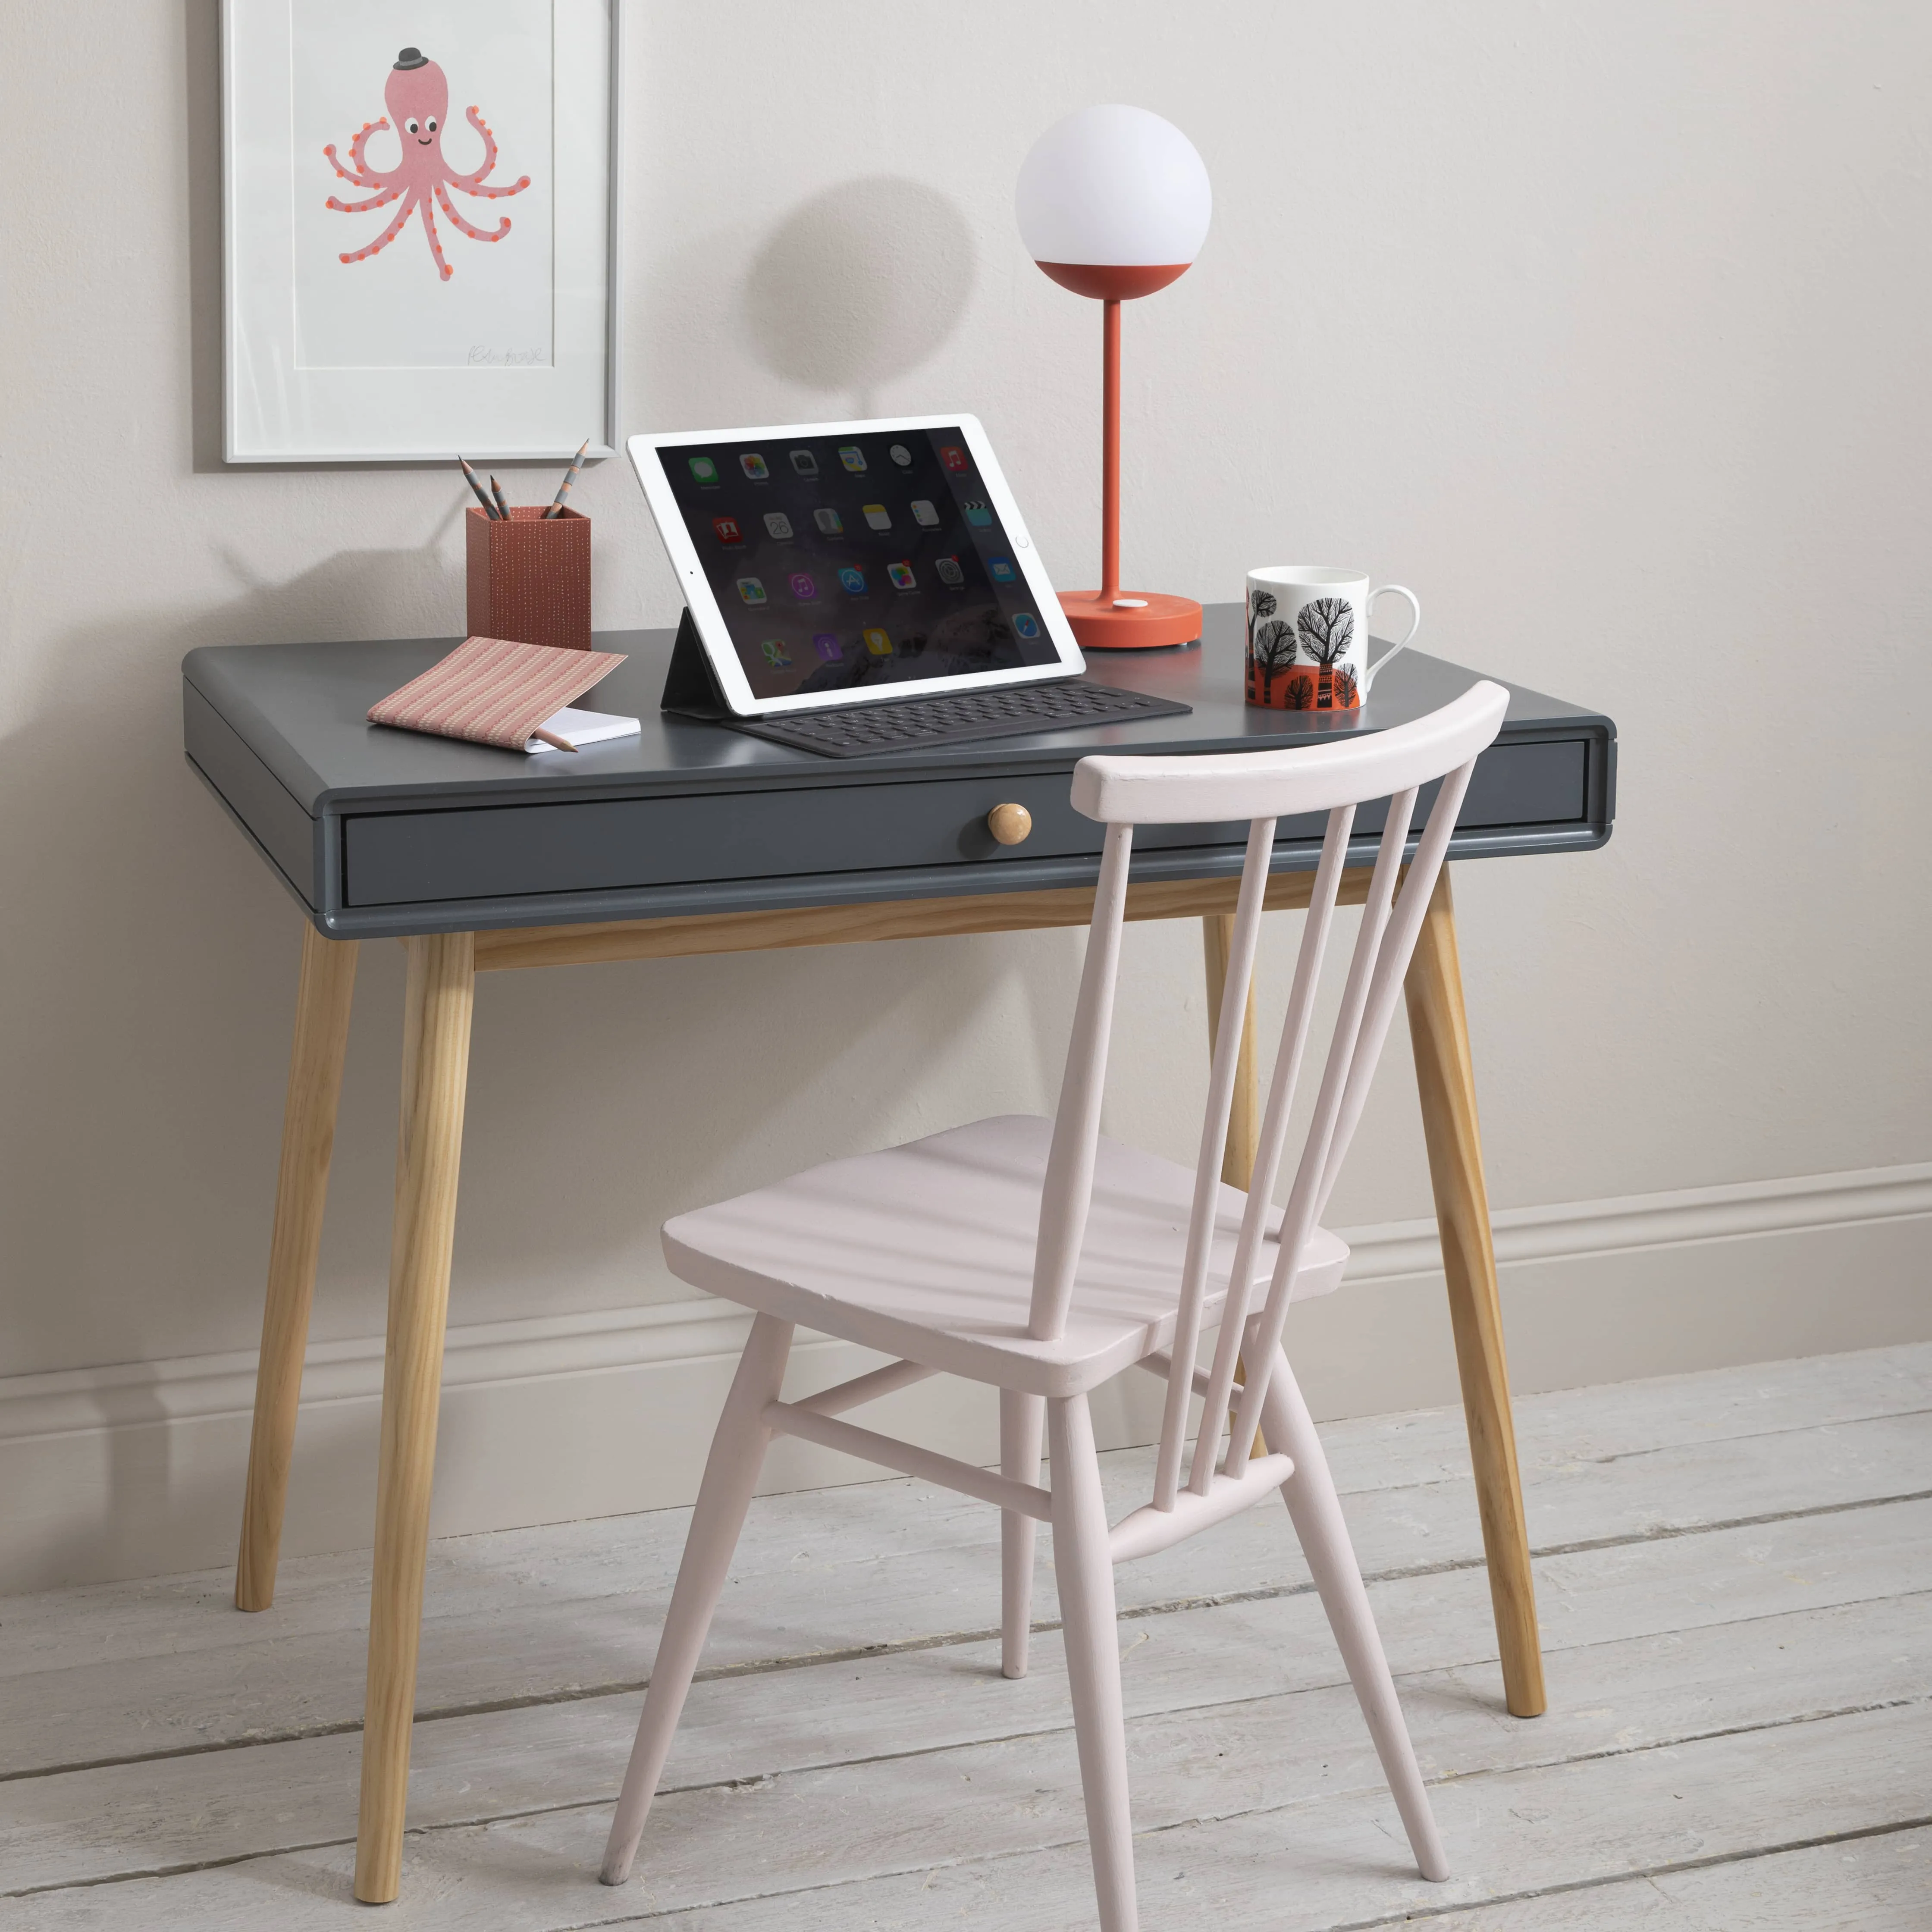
(417, 94)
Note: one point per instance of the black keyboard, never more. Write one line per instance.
(908, 724)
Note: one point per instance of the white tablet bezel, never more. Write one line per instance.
(715, 635)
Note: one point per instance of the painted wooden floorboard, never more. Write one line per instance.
(1863, 1885)
(1188, 1681)
(476, 1575)
(1875, 1884)
(234, 1803)
(1668, 1411)
(845, 1569)
(1326, 1862)
(1341, 1862)
(1881, 1884)
(916, 1788)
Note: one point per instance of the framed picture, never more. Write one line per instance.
(419, 238)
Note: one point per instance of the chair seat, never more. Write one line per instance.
(925, 1251)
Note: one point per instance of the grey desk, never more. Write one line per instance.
(691, 838)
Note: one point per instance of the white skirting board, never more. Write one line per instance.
(136, 1470)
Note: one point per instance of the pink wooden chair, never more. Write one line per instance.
(1045, 1259)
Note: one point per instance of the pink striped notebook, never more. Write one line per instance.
(493, 692)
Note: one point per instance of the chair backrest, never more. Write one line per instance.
(1261, 787)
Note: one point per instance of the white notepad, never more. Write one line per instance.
(582, 728)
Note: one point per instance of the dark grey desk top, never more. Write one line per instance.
(384, 831)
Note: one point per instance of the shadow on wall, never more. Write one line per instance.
(355, 593)
(860, 284)
(157, 967)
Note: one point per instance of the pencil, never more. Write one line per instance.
(502, 507)
(563, 489)
(482, 495)
(551, 738)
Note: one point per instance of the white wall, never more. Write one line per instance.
(1602, 325)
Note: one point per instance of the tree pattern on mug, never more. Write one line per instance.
(1261, 604)
(1273, 652)
(1326, 628)
(1321, 632)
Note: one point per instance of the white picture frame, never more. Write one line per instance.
(346, 343)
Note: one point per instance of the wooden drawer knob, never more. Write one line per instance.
(1009, 823)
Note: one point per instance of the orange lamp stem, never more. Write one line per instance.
(1105, 620)
(1110, 452)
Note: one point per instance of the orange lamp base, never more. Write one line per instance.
(1131, 620)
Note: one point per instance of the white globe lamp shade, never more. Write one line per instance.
(1113, 202)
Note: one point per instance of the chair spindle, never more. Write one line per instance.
(1288, 1057)
(1213, 1147)
(1068, 1187)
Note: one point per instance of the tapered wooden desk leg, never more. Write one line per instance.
(435, 1072)
(1445, 1078)
(324, 994)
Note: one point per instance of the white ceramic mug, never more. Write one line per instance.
(1308, 637)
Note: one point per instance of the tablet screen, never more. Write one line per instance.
(841, 561)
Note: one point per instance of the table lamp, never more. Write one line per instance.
(1113, 202)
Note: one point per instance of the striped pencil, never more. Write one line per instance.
(482, 495)
(563, 489)
(502, 507)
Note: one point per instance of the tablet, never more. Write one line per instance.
(836, 563)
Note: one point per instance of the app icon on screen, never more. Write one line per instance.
(977, 513)
(954, 458)
(1001, 570)
(751, 590)
(753, 465)
(1025, 625)
(853, 458)
(878, 516)
(830, 522)
(805, 463)
(924, 515)
(776, 655)
(878, 643)
(853, 580)
(703, 469)
(802, 587)
(727, 529)
(901, 455)
(949, 570)
(828, 647)
(901, 576)
(777, 524)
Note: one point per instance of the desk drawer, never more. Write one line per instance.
(391, 858)
(602, 845)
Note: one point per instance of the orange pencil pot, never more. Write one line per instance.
(529, 578)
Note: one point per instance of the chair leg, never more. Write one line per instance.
(1316, 1511)
(731, 1474)
(1021, 1417)
(1084, 1568)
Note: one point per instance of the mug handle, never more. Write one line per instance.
(1370, 672)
